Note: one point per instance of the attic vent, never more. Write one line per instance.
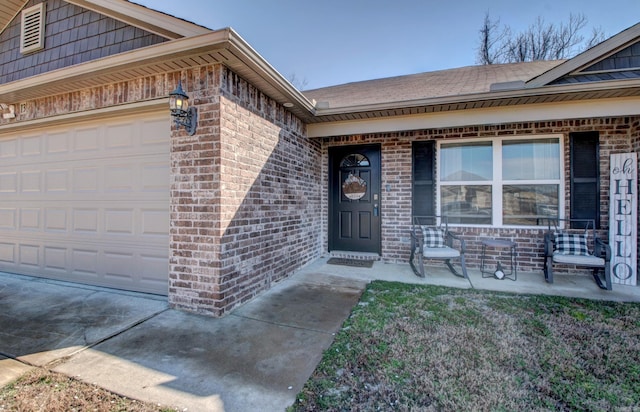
(32, 34)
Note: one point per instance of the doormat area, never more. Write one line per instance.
(358, 263)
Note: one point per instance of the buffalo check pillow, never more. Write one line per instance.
(433, 237)
(571, 244)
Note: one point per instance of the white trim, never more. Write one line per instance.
(142, 17)
(497, 180)
(242, 59)
(627, 106)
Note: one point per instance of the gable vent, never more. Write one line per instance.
(32, 34)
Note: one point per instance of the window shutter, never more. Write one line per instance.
(585, 176)
(423, 199)
(32, 34)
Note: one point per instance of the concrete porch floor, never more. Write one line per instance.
(581, 286)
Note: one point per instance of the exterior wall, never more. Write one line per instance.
(137, 90)
(616, 136)
(245, 189)
(73, 35)
(245, 196)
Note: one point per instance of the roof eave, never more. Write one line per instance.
(499, 98)
(222, 46)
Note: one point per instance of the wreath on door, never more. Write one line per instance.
(354, 187)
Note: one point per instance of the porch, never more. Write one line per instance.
(570, 285)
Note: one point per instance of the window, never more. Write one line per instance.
(500, 182)
(32, 34)
(585, 176)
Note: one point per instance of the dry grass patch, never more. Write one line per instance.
(42, 390)
(423, 348)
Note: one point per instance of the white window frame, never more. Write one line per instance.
(497, 183)
(32, 28)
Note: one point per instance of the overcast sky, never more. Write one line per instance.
(329, 42)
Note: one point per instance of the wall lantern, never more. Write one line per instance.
(182, 114)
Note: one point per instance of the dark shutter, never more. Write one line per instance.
(423, 191)
(585, 176)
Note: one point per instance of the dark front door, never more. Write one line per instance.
(354, 198)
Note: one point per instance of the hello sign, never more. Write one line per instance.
(623, 218)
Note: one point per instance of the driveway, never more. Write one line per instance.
(255, 359)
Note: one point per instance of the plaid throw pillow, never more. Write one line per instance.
(433, 237)
(568, 244)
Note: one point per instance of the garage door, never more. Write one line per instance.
(88, 203)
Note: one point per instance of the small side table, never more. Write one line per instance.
(499, 244)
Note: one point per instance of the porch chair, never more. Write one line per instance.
(564, 245)
(432, 239)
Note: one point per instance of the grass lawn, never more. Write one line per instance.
(423, 348)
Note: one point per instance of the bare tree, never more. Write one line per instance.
(492, 40)
(540, 41)
(299, 84)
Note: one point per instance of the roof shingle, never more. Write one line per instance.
(442, 83)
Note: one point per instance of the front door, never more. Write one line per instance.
(354, 198)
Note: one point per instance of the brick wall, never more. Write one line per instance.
(270, 192)
(245, 189)
(194, 205)
(245, 196)
(616, 135)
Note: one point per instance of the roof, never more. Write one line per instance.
(587, 58)
(430, 85)
(453, 90)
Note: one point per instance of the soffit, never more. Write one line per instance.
(219, 47)
(227, 48)
(548, 94)
(9, 10)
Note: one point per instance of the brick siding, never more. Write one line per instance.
(245, 196)
(619, 134)
(245, 189)
(249, 199)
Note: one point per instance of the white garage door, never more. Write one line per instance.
(88, 203)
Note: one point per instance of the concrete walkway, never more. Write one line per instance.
(257, 358)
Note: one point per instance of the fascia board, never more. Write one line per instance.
(142, 17)
(476, 97)
(582, 60)
(260, 65)
(627, 106)
(135, 57)
(225, 39)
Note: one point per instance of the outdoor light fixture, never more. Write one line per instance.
(182, 114)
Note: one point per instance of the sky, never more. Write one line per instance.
(321, 43)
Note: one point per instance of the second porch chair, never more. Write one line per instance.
(432, 239)
(577, 247)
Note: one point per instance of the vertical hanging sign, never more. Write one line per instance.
(623, 218)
